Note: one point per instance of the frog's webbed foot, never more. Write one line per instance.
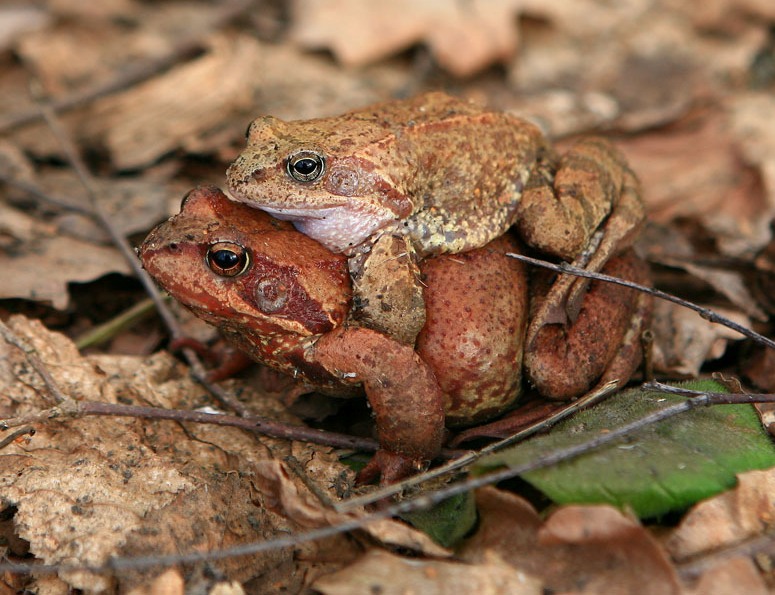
(588, 213)
(388, 467)
(227, 363)
(388, 294)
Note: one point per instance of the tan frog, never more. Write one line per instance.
(431, 175)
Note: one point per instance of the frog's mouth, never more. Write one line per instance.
(340, 229)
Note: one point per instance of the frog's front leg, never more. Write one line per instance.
(388, 295)
(592, 189)
(404, 395)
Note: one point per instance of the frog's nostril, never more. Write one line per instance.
(259, 175)
(174, 247)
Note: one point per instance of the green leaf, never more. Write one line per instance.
(665, 466)
(447, 522)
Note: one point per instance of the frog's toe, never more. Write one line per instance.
(389, 467)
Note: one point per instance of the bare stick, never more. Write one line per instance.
(26, 430)
(705, 313)
(259, 425)
(713, 398)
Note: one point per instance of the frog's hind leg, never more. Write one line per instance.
(564, 360)
(588, 212)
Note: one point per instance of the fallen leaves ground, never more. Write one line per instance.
(166, 90)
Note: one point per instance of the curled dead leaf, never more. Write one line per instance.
(729, 518)
(381, 572)
(286, 497)
(683, 340)
(584, 549)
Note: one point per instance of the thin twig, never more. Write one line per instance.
(705, 313)
(32, 357)
(422, 502)
(26, 430)
(259, 425)
(104, 219)
(713, 398)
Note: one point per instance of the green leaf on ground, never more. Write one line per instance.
(662, 467)
(447, 522)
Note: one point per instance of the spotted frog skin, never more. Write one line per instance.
(432, 175)
(286, 300)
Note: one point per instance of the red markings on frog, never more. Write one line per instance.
(279, 291)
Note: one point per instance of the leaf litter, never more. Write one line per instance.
(693, 122)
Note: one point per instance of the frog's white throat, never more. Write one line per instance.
(339, 229)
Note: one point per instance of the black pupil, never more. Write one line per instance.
(305, 166)
(225, 259)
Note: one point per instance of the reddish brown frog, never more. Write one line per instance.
(433, 175)
(286, 300)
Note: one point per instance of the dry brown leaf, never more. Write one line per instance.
(687, 172)
(754, 131)
(759, 368)
(133, 204)
(87, 489)
(382, 572)
(76, 52)
(695, 172)
(582, 549)
(158, 116)
(746, 511)
(463, 37)
(683, 340)
(284, 496)
(41, 267)
(738, 575)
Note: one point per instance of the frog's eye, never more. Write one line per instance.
(306, 166)
(227, 259)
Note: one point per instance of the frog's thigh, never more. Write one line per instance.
(476, 305)
(564, 361)
(388, 295)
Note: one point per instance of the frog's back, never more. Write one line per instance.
(463, 167)
(444, 171)
(469, 167)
